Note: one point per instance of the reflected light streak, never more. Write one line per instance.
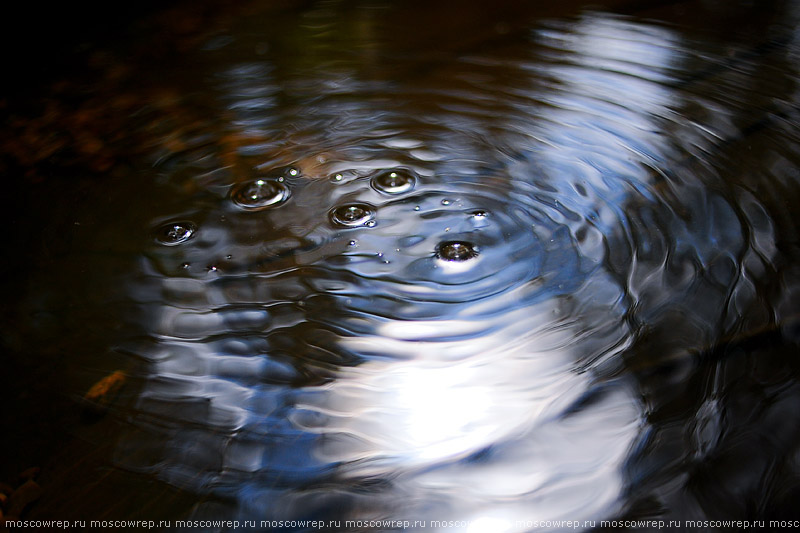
(502, 373)
(437, 405)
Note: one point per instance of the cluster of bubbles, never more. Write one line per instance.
(272, 191)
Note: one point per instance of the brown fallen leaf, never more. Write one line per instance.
(27, 493)
(103, 393)
(29, 473)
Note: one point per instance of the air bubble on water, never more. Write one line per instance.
(228, 257)
(479, 218)
(185, 265)
(416, 208)
(260, 194)
(175, 233)
(352, 243)
(394, 181)
(344, 176)
(211, 268)
(445, 202)
(352, 215)
(456, 251)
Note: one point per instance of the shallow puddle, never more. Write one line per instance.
(458, 268)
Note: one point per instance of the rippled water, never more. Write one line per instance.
(494, 268)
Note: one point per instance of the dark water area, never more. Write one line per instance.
(501, 266)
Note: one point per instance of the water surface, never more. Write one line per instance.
(364, 261)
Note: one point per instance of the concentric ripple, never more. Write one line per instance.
(469, 294)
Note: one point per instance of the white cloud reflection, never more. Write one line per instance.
(426, 400)
(473, 417)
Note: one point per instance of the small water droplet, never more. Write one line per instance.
(228, 257)
(479, 214)
(260, 194)
(292, 171)
(344, 176)
(185, 265)
(211, 268)
(351, 215)
(352, 243)
(394, 181)
(416, 208)
(456, 251)
(445, 202)
(175, 233)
